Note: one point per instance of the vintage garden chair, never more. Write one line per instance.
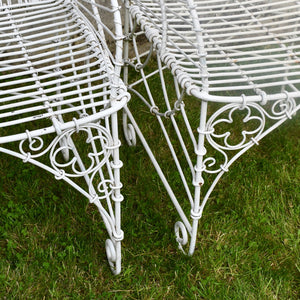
(232, 64)
(60, 94)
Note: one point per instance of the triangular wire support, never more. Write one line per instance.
(99, 166)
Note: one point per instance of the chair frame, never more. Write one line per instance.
(188, 38)
(80, 95)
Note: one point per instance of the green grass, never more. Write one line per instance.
(52, 240)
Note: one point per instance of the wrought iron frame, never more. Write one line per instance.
(181, 52)
(69, 93)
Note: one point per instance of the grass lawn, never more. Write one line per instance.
(52, 240)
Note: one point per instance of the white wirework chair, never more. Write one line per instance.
(60, 93)
(239, 60)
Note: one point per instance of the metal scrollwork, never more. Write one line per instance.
(282, 108)
(96, 159)
(74, 164)
(220, 136)
(32, 147)
(130, 135)
(129, 131)
(65, 152)
(68, 162)
(246, 135)
(102, 188)
(181, 235)
(111, 254)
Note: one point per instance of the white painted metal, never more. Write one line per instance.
(234, 57)
(60, 79)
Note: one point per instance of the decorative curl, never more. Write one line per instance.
(129, 131)
(111, 254)
(181, 235)
(32, 146)
(130, 135)
(283, 108)
(64, 144)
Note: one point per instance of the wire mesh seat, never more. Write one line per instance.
(238, 59)
(219, 46)
(60, 93)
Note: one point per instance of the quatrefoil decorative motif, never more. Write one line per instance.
(248, 123)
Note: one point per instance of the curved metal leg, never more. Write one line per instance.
(203, 138)
(220, 142)
(97, 163)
